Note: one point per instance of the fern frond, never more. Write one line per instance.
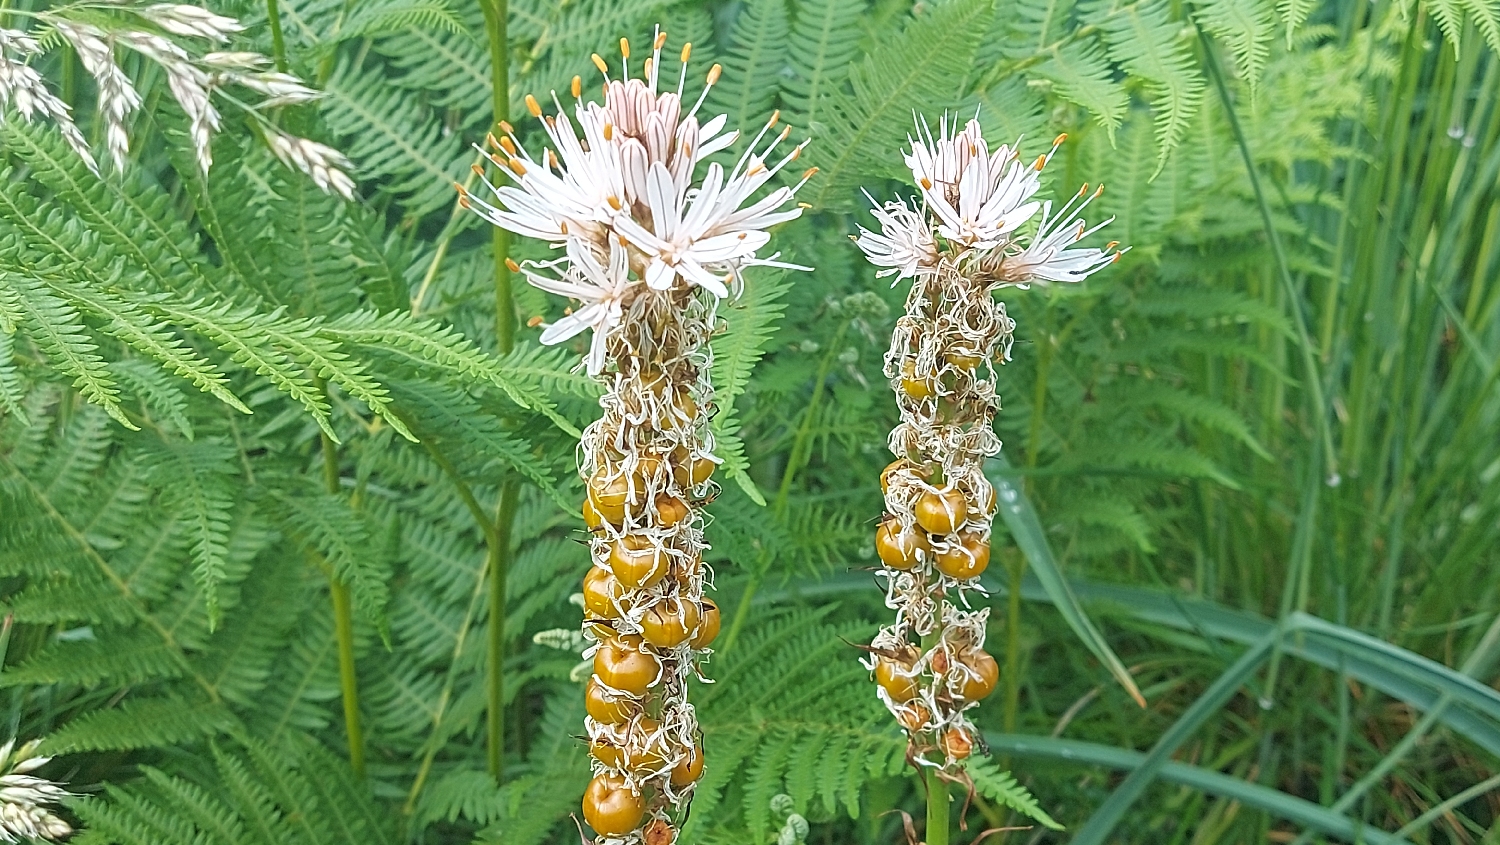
(140, 723)
(1000, 787)
(756, 55)
(197, 482)
(326, 525)
(1080, 74)
(1145, 40)
(58, 331)
(388, 134)
(821, 46)
(1245, 26)
(916, 71)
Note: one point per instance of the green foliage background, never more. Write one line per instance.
(1262, 449)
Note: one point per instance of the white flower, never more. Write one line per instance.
(904, 244)
(979, 197)
(1047, 258)
(600, 287)
(624, 168)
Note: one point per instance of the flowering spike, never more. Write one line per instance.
(959, 244)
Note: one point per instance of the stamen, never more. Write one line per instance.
(478, 171)
(508, 145)
(534, 322)
(511, 265)
(687, 50)
(1099, 192)
(809, 173)
(497, 160)
(1111, 245)
(614, 202)
(507, 128)
(1058, 141)
(625, 48)
(648, 67)
(775, 118)
(577, 87)
(925, 183)
(661, 38)
(517, 167)
(490, 140)
(1041, 161)
(599, 63)
(609, 131)
(563, 227)
(714, 72)
(533, 106)
(552, 160)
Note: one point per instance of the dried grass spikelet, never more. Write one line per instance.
(962, 244)
(24, 814)
(649, 251)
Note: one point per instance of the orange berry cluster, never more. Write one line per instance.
(648, 467)
(930, 665)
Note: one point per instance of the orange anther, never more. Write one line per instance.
(775, 118)
(661, 38)
(507, 128)
(687, 50)
(625, 47)
(647, 67)
(609, 131)
(499, 162)
(534, 322)
(533, 106)
(552, 159)
(599, 63)
(925, 183)
(1040, 162)
(577, 87)
(809, 172)
(517, 167)
(508, 145)
(511, 265)
(614, 202)
(1100, 192)
(1111, 245)
(1057, 142)
(478, 171)
(563, 227)
(714, 72)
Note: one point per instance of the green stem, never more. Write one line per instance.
(496, 16)
(937, 809)
(343, 622)
(496, 27)
(278, 44)
(499, 566)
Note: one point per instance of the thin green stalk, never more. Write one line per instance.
(1016, 564)
(278, 44)
(937, 809)
(499, 563)
(496, 27)
(343, 622)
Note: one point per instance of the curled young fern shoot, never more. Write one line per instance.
(194, 81)
(963, 240)
(648, 251)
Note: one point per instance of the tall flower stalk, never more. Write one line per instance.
(959, 245)
(647, 254)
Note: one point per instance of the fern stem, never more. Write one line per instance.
(499, 563)
(343, 618)
(278, 43)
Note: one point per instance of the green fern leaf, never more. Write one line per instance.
(756, 55)
(1080, 74)
(999, 786)
(140, 723)
(1245, 26)
(57, 329)
(821, 46)
(918, 70)
(1148, 44)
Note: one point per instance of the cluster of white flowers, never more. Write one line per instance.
(617, 193)
(647, 250)
(966, 240)
(974, 205)
(192, 80)
(24, 815)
